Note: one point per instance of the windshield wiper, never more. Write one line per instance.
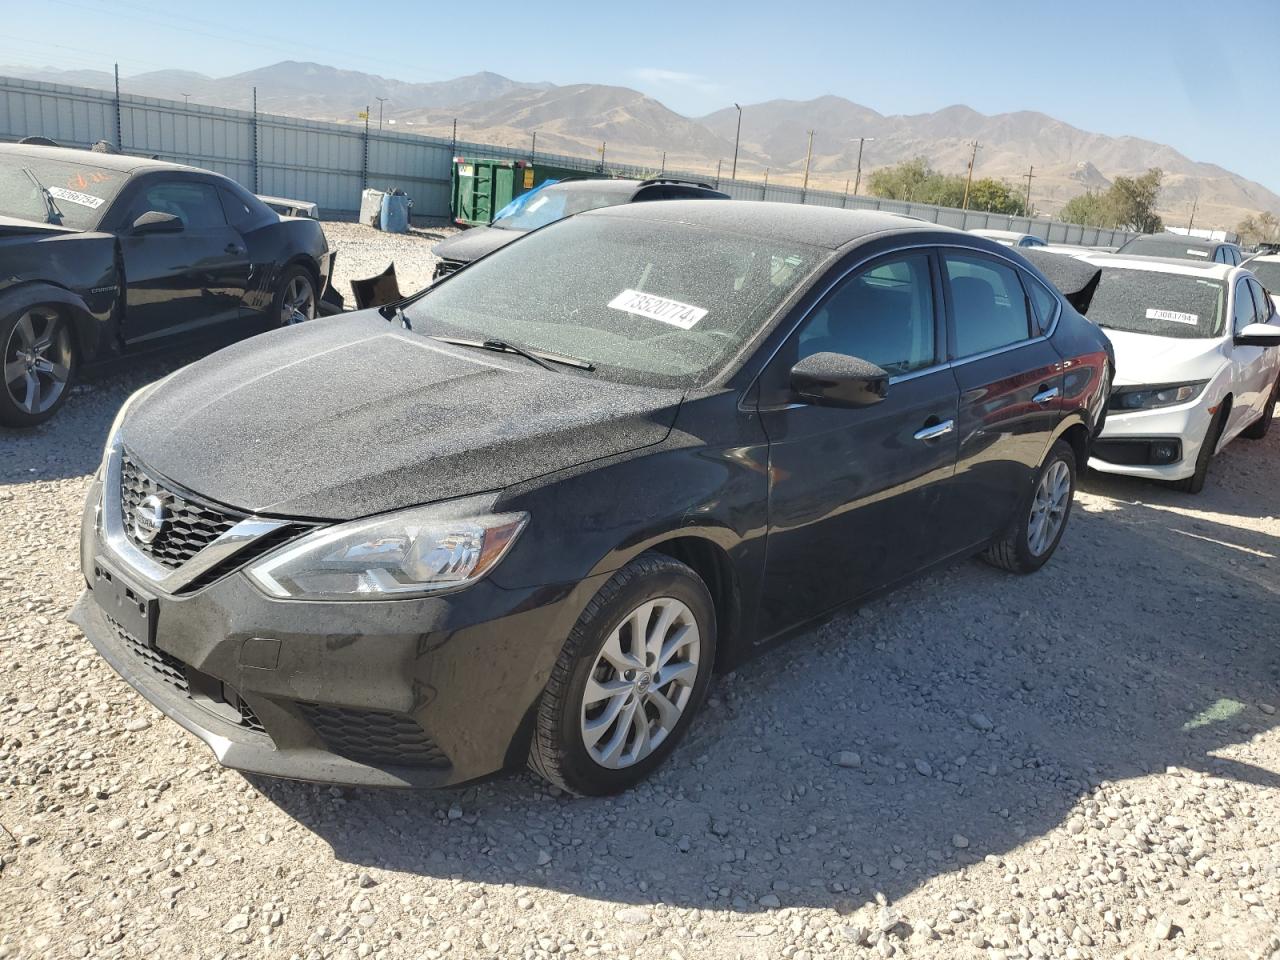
(50, 208)
(540, 357)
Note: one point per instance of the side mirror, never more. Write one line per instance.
(837, 380)
(1259, 335)
(153, 221)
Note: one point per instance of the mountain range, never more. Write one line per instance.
(577, 119)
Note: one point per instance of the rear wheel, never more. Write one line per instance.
(295, 300)
(1195, 482)
(39, 363)
(629, 680)
(1030, 542)
(1259, 428)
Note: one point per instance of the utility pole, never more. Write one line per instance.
(364, 170)
(119, 126)
(804, 189)
(973, 159)
(256, 186)
(533, 147)
(381, 101)
(1195, 202)
(453, 148)
(733, 175)
(1031, 172)
(857, 179)
(603, 144)
(718, 163)
(663, 169)
(845, 201)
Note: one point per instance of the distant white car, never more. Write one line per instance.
(1266, 267)
(1197, 359)
(1010, 238)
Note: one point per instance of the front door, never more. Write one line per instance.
(853, 493)
(177, 282)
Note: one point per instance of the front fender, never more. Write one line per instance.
(88, 324)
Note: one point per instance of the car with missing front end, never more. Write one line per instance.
(523, 516)
(1197, 364)
(106, 256)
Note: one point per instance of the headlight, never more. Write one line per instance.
(1145, 398)
(410, 553)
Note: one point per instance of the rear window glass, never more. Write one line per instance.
(1268, 271)
(80, 192)
(1178, 247)
(556, 203)
(1160, 304)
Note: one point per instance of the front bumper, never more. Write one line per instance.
(1120, 448)
(406, 693)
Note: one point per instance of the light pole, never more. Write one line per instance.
(733, 174)
(857, 178)
(533, 147)
(804, 189)
(186, 99)
(381, 101)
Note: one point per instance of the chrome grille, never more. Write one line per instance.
(190, 524)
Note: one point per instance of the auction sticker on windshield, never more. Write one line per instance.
(75, 196)
(682, 315)
(1198, 253)
(1173, 316)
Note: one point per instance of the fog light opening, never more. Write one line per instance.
(1164, 451)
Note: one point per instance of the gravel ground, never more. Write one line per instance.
(1081, 763)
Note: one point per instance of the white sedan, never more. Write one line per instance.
(1266, 267)
(1197, 359)
(1010, 238)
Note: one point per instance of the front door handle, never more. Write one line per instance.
(1045, 395)
(936, 430)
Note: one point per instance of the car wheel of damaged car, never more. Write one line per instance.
(39, 362)
(295, 297)
(630, 678)
(1029, 544)
(1260, 427)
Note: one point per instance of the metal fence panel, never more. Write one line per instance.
(329, 163)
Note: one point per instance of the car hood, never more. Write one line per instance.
(19, 227)
(475, 243)
(1142, 358)
(351, 416)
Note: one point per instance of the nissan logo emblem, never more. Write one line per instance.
(149, 518)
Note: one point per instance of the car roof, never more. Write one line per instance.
(1262, 258)
(1203, 242)
(1189, 268)
(829, 227)
(106, 161)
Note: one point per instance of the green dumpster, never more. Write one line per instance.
(481, 186)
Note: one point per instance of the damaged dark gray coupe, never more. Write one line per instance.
(104, 255)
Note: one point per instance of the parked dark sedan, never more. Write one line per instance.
(525, 516)
(1183, 247)
(554, 201)
(103, 255)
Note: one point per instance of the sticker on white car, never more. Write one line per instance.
(662, 309)
(1173, 316)
(1198, 253)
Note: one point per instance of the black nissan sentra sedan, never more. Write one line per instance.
(523, 516)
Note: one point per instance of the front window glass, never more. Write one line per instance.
(555, 203)
(883, 315)
(81, 192)
(1160, 304)
(195, 204)
(1242, 312)
(646, 302)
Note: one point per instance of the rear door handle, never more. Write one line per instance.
(1044, 396)
(936, 430)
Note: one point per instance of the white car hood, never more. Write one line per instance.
(1142, 358)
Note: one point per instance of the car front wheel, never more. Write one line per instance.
(629, 680)
(39, 363)
(1030, 542)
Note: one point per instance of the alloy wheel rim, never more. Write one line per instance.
(37, 361)
(299, 302)
(1049, 508)
(641, 683)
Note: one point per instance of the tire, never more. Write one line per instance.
(1029, 543)
(1195, 482)
(627, 722)
(39, 364)
(296, 298)
(1260, 427)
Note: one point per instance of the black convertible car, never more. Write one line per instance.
(104, 254)
(527, 513)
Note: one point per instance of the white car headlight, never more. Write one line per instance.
(410, 553)
(1145, 398)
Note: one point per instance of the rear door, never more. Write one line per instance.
(853, 493)
(177, 282)
(1010, 382)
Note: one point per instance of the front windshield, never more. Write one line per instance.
(557, 202)
(647, 302)
(1267, 272)
(1160, 304)
(81, 192)
(1177, 247)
